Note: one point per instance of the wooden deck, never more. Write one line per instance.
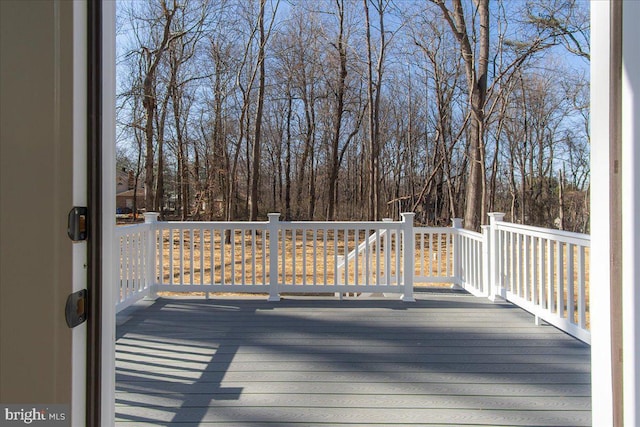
(448, 359)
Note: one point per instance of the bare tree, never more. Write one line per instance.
(441, 193)
(339, 91)
(563, 22)
(255, 175)
(374, 92)
(153, 56)
(455, 123)
(476, 68)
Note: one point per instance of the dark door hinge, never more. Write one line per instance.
(76, 308)
(77, 223)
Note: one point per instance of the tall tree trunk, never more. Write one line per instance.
(377, 190)
(561, 203)
(183, 171)
(160, 122)
(255, 175)
(371, 147)
(183, 168)
(476, 67)
(221, 164)
(334, 164)
(150, 107)
(199, 187)
(310, 123)
(149, 102)
(287, 161)
(308, 146)
(312, 188)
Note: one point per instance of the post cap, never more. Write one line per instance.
(496, 216)
(151, 217)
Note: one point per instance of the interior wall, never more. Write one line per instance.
(36, 162)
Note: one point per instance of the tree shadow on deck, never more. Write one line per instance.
(444, 359)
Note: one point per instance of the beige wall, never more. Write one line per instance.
(35, 196)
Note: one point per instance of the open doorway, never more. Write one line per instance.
(607, 242)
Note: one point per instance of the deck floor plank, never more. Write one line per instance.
(445, 360)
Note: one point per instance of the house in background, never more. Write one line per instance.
(125, 191)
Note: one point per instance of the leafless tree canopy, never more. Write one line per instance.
(357, 109)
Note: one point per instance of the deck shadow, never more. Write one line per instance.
(248, 361)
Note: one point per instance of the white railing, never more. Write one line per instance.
(343, 257)
(434, 255)
(211, 256)
(318, 257)
(471, 258)
(135, 263)
(450, 255)
(375, 243)
(263, 257)
(543, 271)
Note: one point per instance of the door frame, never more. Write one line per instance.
(94, 191)
(100, 159)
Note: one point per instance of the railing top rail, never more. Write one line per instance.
(124, 229)
(211, 224)
(343, 224)
(469, 233)
(434, 229)
(283, 224)
(546, 233)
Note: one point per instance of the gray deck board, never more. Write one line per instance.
(448, 359)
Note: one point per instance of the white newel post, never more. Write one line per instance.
(486, 260)
(408, 256)
(151, 218)
(456, 224)
(273, 227)
(496, 291)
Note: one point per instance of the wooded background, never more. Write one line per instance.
(357, 109)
